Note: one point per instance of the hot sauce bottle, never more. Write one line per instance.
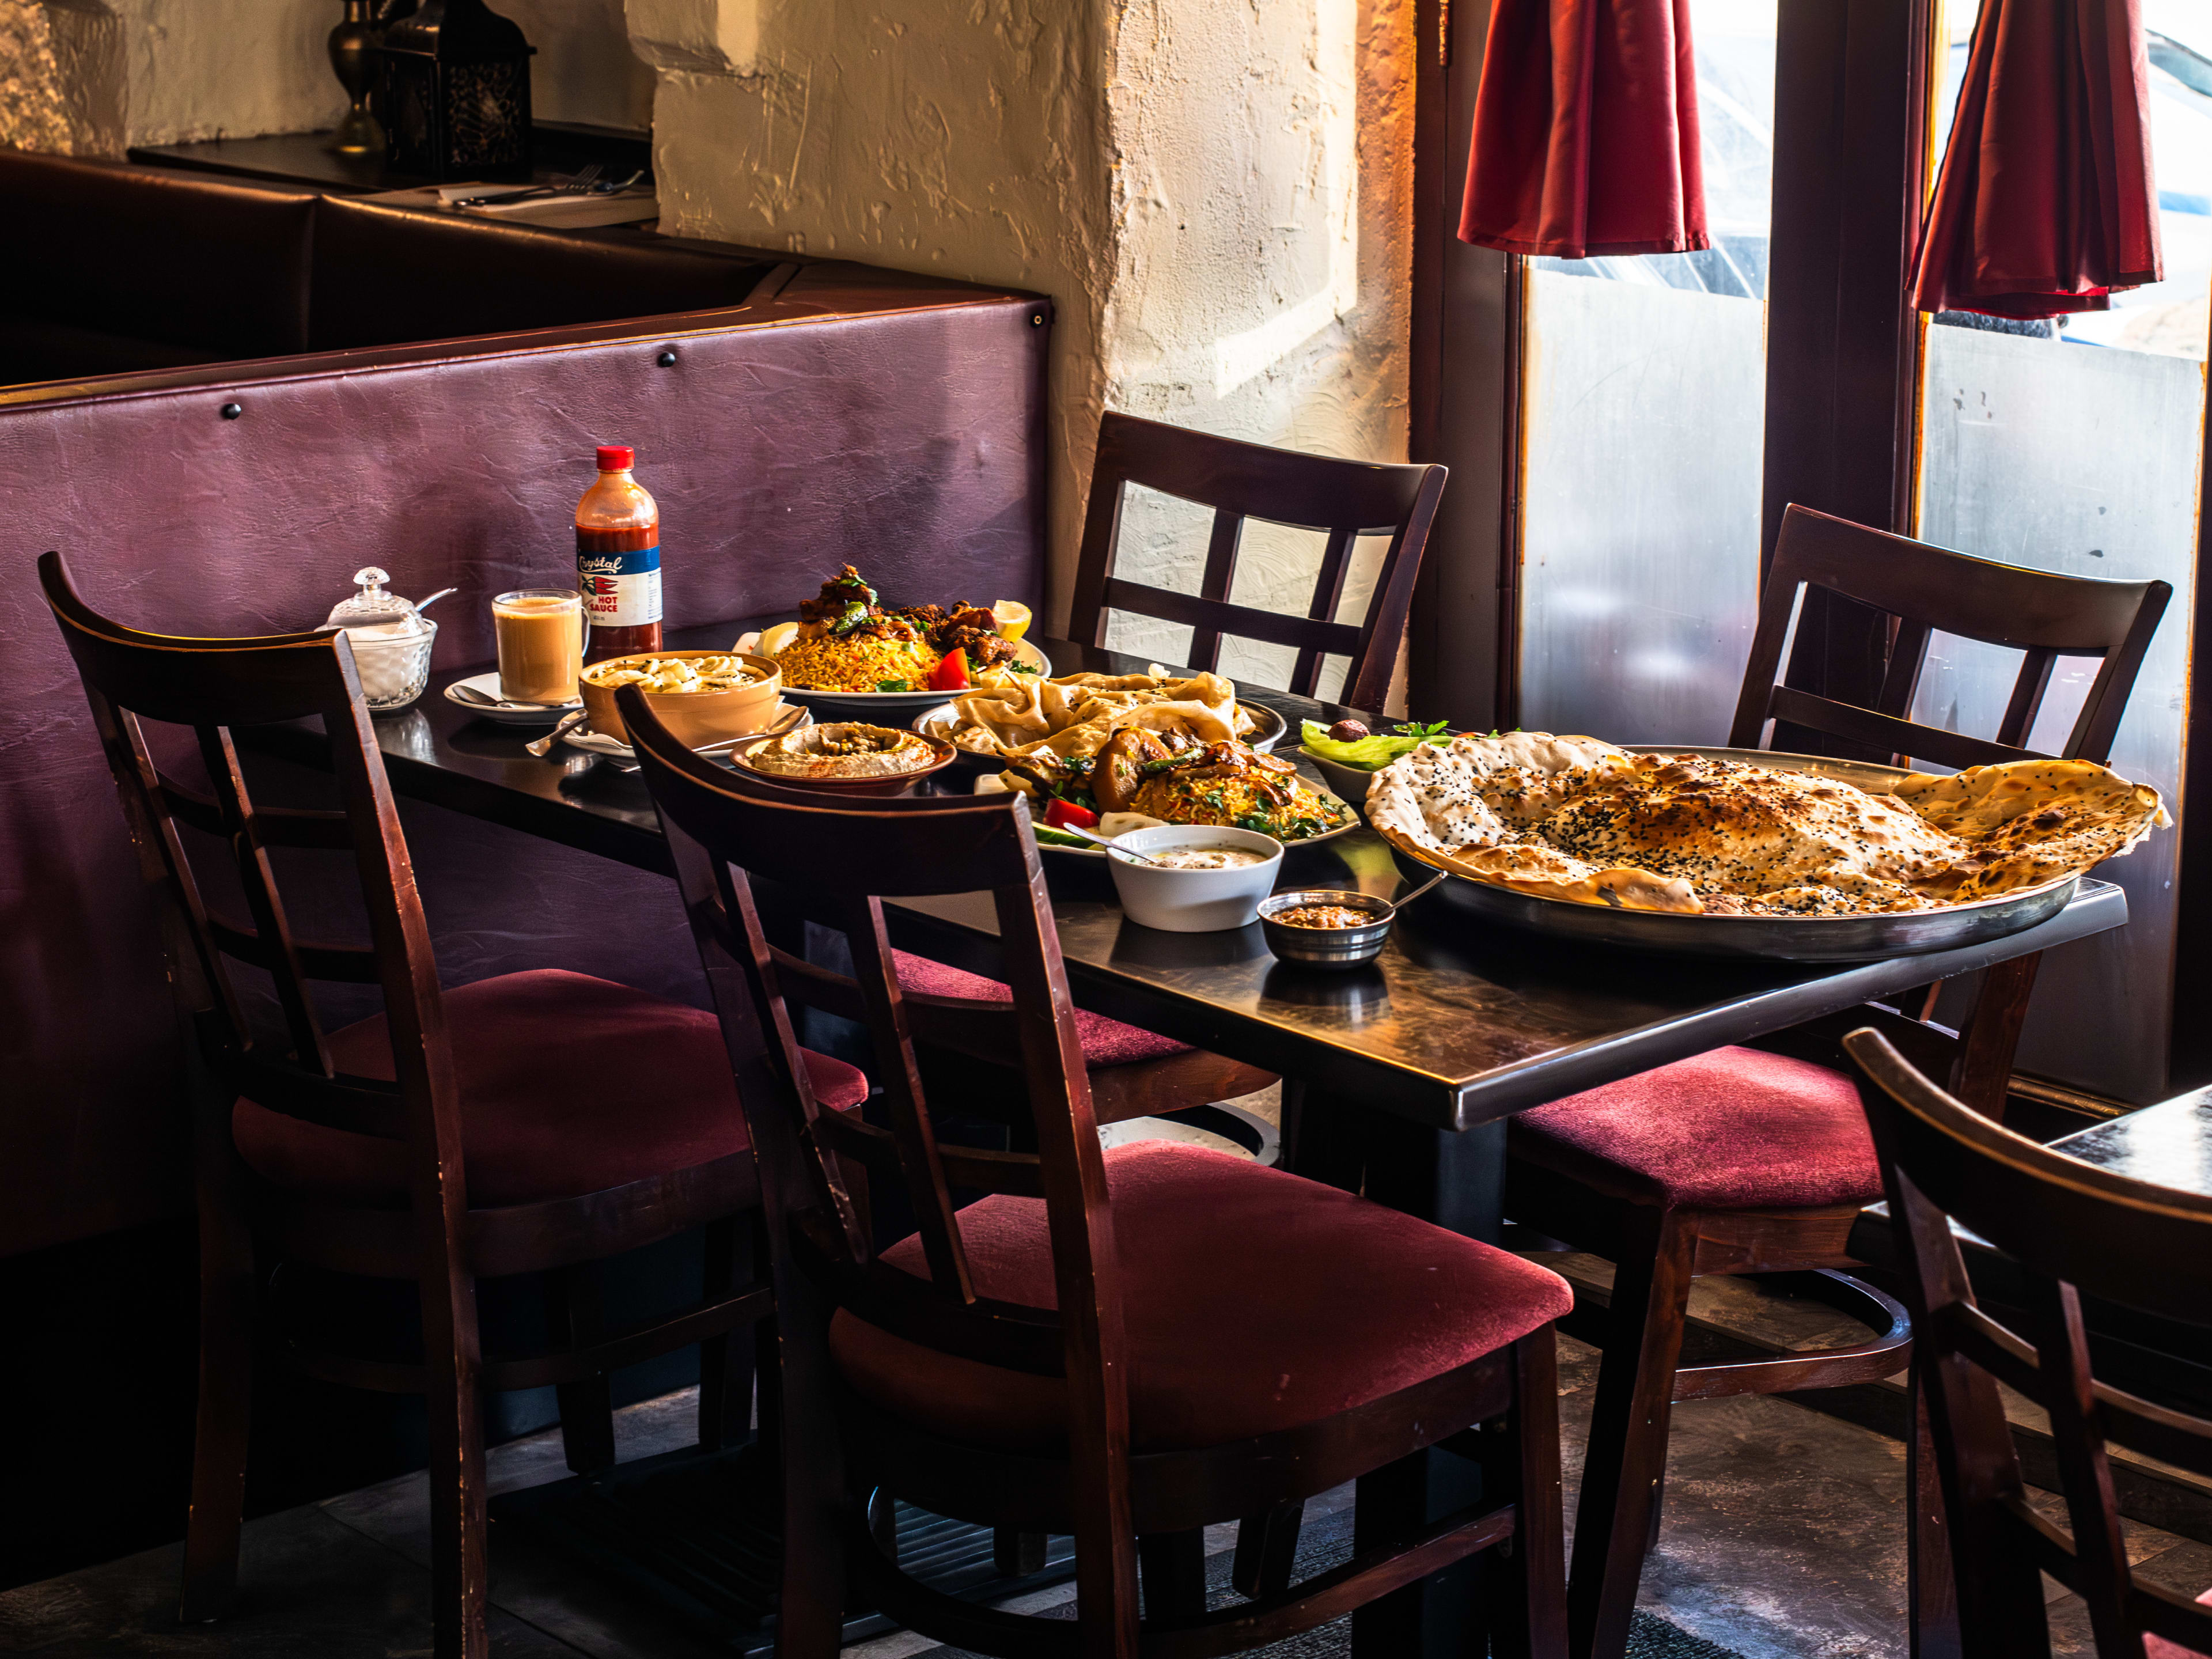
(618, 558)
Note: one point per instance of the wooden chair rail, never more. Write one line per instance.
(312, 827)
(357, 1105)
(1314, 1602)
(346, 964)
(1887, 732)
(520, 1238)
(1222, 617)
(625, 1347)
(976, 1168)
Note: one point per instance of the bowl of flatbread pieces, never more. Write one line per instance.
(1747, 853)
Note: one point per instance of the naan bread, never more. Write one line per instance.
(1576, 819)
(2028, 822)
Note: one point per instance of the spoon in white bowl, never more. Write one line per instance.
(1107, 842)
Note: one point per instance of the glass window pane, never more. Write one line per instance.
(1644, 415)
(2076, 449)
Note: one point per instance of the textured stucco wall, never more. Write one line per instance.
(1217, 196)
(969, 140)
(92, 78)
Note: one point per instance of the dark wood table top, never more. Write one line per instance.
(1453, 1026)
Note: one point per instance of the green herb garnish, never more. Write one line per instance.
(1367, 754)
(894, 685)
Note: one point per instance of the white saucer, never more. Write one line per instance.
(513, 713)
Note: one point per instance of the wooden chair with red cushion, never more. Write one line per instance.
(1127, 1346)
(1136, 1072)
(533, 1123)
(1746, 1161)
(2072, 1231)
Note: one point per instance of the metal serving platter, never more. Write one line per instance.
(1774, 939)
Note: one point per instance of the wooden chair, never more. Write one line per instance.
(1048, 1359)
(1241, 481)
(488, 1130)
(2073, 1231)
(1757, 1161)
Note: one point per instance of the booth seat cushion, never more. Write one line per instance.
(1105, 1042)
(1255, 1301)
(1736, 1129)
(569, 1085)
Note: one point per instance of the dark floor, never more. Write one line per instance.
(1782, 1538)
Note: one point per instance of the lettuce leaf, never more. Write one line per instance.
(1367, 754)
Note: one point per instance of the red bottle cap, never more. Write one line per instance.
(616, 457)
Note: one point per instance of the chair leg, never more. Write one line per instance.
(1525, 1592)
(587, 1406)
(726, 1363)
(459, 1570)
(817, 1510)
(1018, 1554)
(1626, 1463)
(1267, 1548)
(1173, 1568)
(224, 1412)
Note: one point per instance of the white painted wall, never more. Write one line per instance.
(1216, 196)
(94, 76)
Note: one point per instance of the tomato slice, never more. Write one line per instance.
(950, 674)
(1066, 814)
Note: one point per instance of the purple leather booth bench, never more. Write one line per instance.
(823, 412)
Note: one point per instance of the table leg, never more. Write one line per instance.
(1456, 1179)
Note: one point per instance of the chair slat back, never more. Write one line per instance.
(211, 686)
(740, 844)
(1241, 481)
(2074, 1230)
(1925, 589)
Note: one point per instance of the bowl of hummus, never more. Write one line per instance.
(846, 757)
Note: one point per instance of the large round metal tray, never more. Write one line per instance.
(1781, 938)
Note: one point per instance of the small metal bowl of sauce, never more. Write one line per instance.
(1325, 926)
(1331, 927)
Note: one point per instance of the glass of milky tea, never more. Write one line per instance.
(542, 634)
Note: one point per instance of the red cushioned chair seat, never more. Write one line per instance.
(1256, 1302)
(1734, 1129)
(569, 1085)
(2157, 1647)
(1105, 1042)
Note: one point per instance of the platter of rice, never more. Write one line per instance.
(850, 656)
(1727, 852)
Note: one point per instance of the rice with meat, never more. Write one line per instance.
(860, 662)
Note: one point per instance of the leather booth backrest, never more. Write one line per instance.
(908, 441)
(180, 259)
(385, 276)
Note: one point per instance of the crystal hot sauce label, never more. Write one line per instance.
(620, 586)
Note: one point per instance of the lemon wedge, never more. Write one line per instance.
(1014, 619)
(775, 638)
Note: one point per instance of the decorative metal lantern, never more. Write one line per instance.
(456, 99)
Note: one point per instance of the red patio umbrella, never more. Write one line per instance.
(1586, 130)
(2046, 202)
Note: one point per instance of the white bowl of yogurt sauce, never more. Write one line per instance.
(1208, 879)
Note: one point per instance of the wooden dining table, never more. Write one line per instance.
(1404, 1072)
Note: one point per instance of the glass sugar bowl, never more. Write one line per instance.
(391, 639)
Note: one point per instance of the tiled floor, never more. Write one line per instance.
(1782, 1540)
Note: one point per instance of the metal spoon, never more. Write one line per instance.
(485, 700)
(1398, 904)
(785, 722)
(424, 605)
(581, 184)
(1106, 842)
(543, 746)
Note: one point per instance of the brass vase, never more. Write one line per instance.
(353, 55)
